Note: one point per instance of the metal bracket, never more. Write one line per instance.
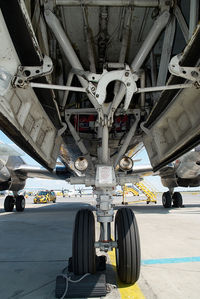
(189, 73)
(125, 76)
(106, 246)
(27, 73)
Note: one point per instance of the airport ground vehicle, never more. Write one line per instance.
(45, 197)
(89, 81)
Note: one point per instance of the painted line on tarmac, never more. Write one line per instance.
(171, 260)
(127, 291)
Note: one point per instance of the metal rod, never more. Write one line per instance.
(105, 150)
(166, 51)
(127, 141)
(145, 18)
(79, 141)
(124, 47)
(59, 87)
(154, 74)
(150, 40)
(139, 3)
(80, 89)
(182, 22)
(89, 42)
(106, 236)
(68, 50)
(90, 50)
(160, 88)
(85, 111)
(103, 35)
(194, 9)
(69, 82)
(142, 54)
(142, 83)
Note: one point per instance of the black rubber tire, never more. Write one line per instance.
(128, 256)
(177, 199)
(20, 203)
(83, 250)
(9, 203)
(166, 200)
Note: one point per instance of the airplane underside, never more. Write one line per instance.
(91, 82)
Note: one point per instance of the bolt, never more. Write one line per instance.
(97, 95)
(93, 89)
(128, 84)
(126, 74)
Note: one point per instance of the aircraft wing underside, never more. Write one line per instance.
(27, 171)
(106, 65)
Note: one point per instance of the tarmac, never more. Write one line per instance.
(36, 245)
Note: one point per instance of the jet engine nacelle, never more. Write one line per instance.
(188, 166)
(9, 181)
(4, 173)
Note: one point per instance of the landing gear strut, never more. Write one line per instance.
(11, 201)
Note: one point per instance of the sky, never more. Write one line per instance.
(154, 181)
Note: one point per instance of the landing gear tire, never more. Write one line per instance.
(9, 203)
(83, 250)
(128, 250)
(166, 200)
(20, 203)
(177, 200)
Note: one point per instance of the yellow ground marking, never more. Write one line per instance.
(126, 291)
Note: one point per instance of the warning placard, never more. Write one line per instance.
(105, 175)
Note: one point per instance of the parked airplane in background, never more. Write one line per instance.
(101, 78)
(184, 172)
(14, 172)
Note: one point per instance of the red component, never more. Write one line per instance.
(121, 123)
(84, 123)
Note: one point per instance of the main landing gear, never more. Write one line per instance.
(126, 244)
(176, 198)
(11, 201)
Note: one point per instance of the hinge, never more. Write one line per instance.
(189, 73)
(27, 73)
